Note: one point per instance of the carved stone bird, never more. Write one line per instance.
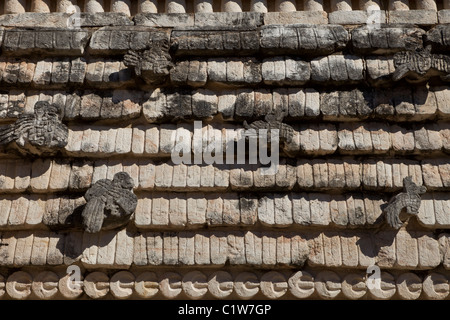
(420, 64)
(109, 203)
(409, 199)
(41, 133)
(152, 64)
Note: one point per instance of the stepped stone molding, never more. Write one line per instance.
(99, 73)
(405, 104)
(359, 249)
(160, 211)
(49, 176)
(219, 284)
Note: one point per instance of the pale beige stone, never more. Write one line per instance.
(96, 285)
(41, 6)
(186, 248)
(170, 284)
(409, 286)
(124, 249)
(22, 254)
(220, 284)
(435, 286)
(246, 285)
(15, 6)
(273, 285)
(18, 285)
(327, 284)
(354, 286)
(121, 284)
(146, 284)
(45, 285)
(202, 249)
(195, 284)
(301, 284)
(40, 175)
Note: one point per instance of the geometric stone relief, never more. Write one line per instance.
(38, 134)
(420, 65)
(152, 65)
(219, 284)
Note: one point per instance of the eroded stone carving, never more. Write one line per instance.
(274, 121)
(40, 134)
(152, 65)
(420, 65)
(109, 203)
(409, 199)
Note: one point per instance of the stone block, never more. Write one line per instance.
(235, 20)
(164, 20)
(303, 17)
(356, 17)
(418, 17)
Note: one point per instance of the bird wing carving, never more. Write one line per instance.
(93, 212)
(393, 210)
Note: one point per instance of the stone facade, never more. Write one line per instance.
(96, 94)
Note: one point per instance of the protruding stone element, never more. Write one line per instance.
(354, 286)
(171, 285)
(41, 133)
(220, 284)
(386, 289)
(96, 285)
(45, 285)
(273, 284)
(122, 6)
(328, 284)
(68, 288)
(195, 284)
(420, 65)
(409, 286)
(18, 285)
(409, 199)
(152, 65)
(273, 121)
(246, 285)
(175, 6)
(146, 285)
(148, 6)
(109, 203)
(94, 6)
(400, 5)
(435, 286)
(15, 6)
(301, 284)
(41, 6)
(122, 284)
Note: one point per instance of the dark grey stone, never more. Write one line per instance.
(41, 133)
(409, 199)
(109, 203)
(154, 64)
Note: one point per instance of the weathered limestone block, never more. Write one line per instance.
(357, 17)
(53, 42)
(309, 40)
(385, 40)
(379, 69)
(418, 17)
(195, 42)
(227, 19)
